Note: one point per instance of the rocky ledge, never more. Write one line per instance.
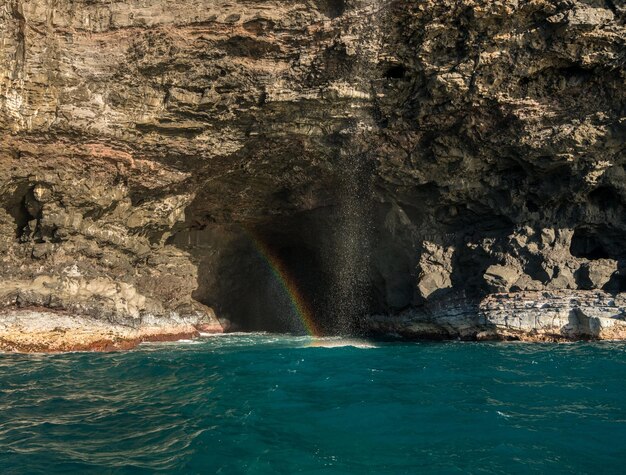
(216, 161)
(521, 316)
(39, 330)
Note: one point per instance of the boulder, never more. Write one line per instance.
(435, 269)
(596, 274)
(562, 278)
(500, 278)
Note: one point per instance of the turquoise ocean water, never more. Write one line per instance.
(276, 404)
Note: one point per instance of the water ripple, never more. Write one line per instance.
(262, 403)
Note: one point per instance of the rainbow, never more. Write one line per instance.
(299, 304)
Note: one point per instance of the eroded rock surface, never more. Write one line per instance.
(44, 331)
(393, 155)
(524, 316)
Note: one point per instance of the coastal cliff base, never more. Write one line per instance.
(548, 316)
(43, 331)
(541, 316)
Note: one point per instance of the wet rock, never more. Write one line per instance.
(525, 316)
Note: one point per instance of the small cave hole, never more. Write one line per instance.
(605, 197)
(334, 8)
(23, 218)
(588, 244)
(17, 207)
(262, 98)
(617, 283)
(531, 206)
(395, 71)
(575, 75)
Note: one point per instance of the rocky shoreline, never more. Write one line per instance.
(40, 330)
(539, 316)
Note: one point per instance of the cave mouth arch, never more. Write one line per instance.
(589, 243)
(276, 272)
(273, 277)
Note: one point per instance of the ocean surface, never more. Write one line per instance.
(262, 403)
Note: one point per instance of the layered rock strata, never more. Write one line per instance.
(394, 157)
(521, 316)
(41, 330)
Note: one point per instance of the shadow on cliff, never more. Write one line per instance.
(267, 277)
(282, 275)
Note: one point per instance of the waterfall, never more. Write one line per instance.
(352, 244)
(352, 237)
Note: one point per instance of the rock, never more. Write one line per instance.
(42, 193)
(526, 283)
(584, 16)
(500, 278)
(432, 282)
(562, 279)
(27, 331)
(597, 273)
(548, 237)
(435, 269)
(42, 250)
(526, 316)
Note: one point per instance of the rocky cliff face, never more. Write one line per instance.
(392, 155)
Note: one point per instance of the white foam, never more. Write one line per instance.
(338, 342)
(183, 341)
(229, 334)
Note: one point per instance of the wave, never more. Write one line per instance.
(340, 342)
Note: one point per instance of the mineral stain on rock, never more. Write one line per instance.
(142, 141)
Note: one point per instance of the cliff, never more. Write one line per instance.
(400, 159)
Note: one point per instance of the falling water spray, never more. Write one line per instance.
(350, 256)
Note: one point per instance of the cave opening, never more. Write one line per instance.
(605, 198)
(589, 244)
(395, 71)
(333, 8)
(287, 273)
(17, 207)
(273, 277)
